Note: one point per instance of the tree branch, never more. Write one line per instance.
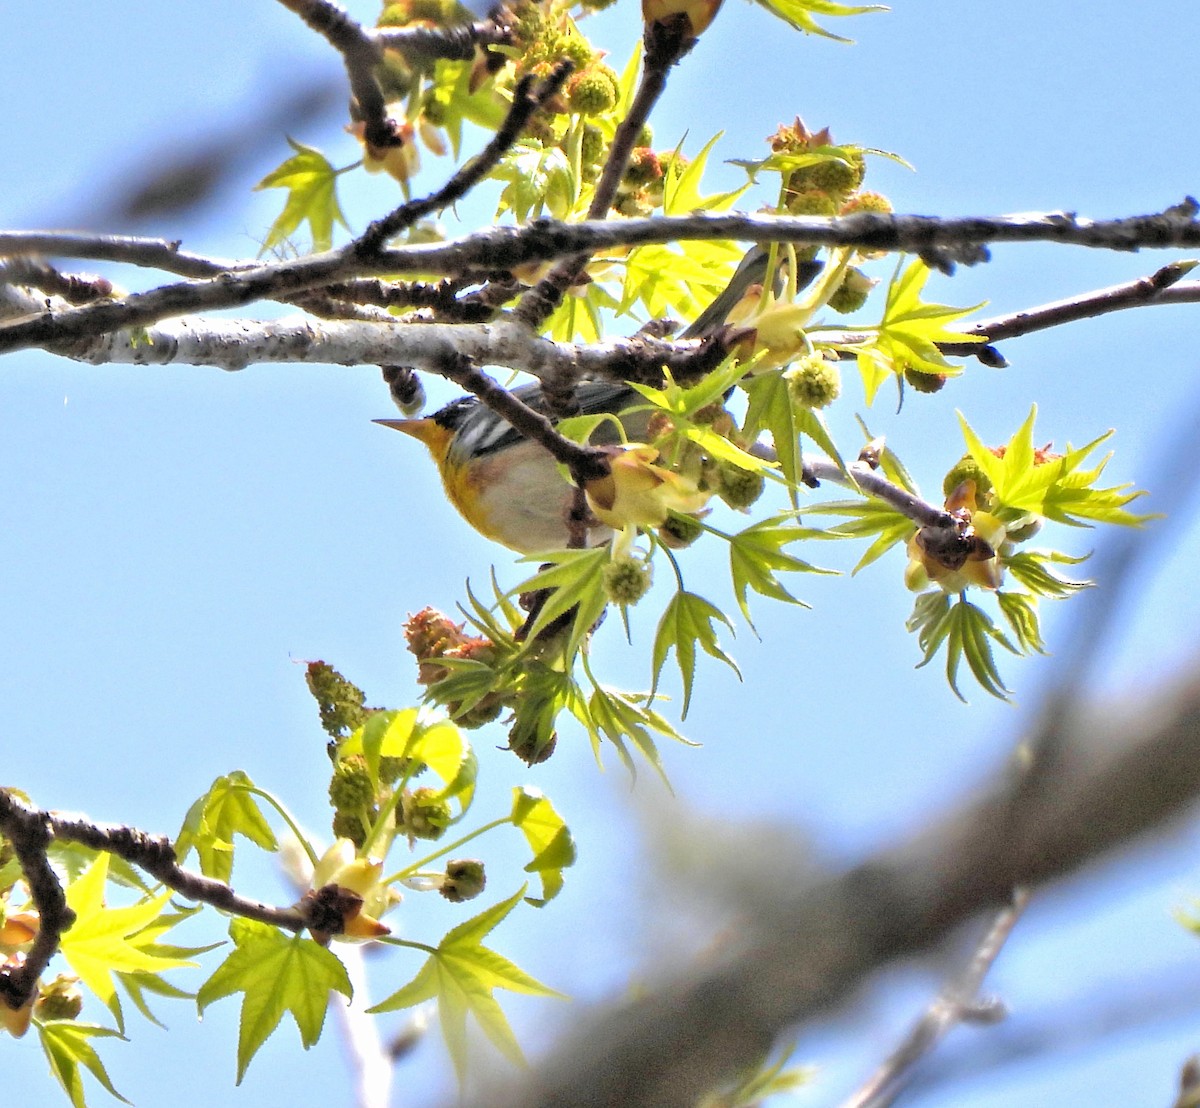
(506, 247)
(360, 54)
(957, 1003)
(526, 102)
(31, 831)
(664, 49)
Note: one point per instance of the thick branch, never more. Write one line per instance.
(1123, 773)
(506, 247)
(28, 831)
(233, 344)
(156, 856)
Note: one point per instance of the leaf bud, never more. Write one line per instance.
(62, 999)
(967, 469)
(852, 293)
(680, 531)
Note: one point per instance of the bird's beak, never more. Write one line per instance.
(428, 431)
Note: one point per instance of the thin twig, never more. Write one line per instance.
(360, 55)
(584, 462)
(957, 1003)
(1164, 286)
(526, 101)
(663, 50)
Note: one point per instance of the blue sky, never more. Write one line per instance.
(176, 540)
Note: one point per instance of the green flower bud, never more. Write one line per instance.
(809, 202)
(814, 381)
(593, 91)
(967, 469)
(837, 177)
(868, 202)
(349, 825)
(925, 382)
(626, 580)
(392, 769)
(478, 714)
(62, 999)
(351, 788)
(591, 147)
(577, 50)
(644, 167)
(852, 293)
(680, 531)
(525, 742)
(464, 880)
(426, 815)
(738, 487)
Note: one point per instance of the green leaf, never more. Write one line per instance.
(106, 940)
(539, 180)
(454, 103)
(549, 838)
(681, 190)
(277, 973)
(66, 1045)
(770, 409)
(138, 984)
(312, 195)
(754, 555)
(1031, 569)
(619, 716)
(910, 331)
(871, 516)
(1020, 612)
(576, 578)
(967, 632)
(227, 809)
(1026, 480)
(422, 738)
(799, 13)
(544, 693)
(462, 975)
(677, 279)
(688, 622)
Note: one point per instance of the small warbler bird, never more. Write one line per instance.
(509, 488)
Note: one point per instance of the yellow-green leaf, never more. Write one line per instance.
(689, 621)
(549, 838)
(106, 940)
(311, 183)
(462, 975)
(276, 973)
(227, 809)
(66, 1045)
